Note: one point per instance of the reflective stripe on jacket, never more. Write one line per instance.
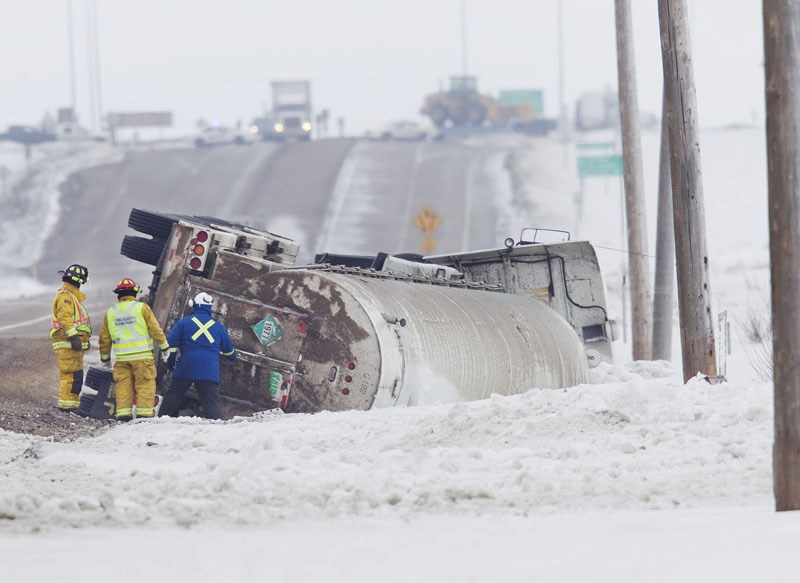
(201, 340)
(131, 328)
(69, 315)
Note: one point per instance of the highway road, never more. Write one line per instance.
(339, 195)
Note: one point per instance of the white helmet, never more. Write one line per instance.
(202, 299)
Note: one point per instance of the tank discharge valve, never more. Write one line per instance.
(394, 320)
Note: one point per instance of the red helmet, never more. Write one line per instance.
(126, 284)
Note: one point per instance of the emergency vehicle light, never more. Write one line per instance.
(199, 249)
(202, 236)
(195, 263)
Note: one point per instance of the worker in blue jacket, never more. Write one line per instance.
(200, 340)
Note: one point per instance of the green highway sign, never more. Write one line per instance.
(596, 146)
(599, 166)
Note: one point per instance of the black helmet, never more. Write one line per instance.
(75, 274)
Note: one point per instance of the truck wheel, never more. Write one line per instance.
(141, 249)
(438, 115)
(153, 224)
(87, 402)
(98, 378)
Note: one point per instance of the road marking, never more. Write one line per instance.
(340, 191)
(468, 188)
(410, 196)
(26, 323)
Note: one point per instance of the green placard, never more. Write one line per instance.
(268, 331)
(275, 382)
(599, 166)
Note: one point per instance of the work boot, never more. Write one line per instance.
(124, 419)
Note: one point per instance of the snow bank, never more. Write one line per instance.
(641, 442)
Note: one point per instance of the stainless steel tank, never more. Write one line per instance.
(356, 341)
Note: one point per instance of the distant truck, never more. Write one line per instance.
(359, 332)
(596, 110)
(291, 110)
(463, 106)
(28, 135)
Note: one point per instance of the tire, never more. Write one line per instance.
(87, 402)
(98, 378)
(141, 249)
(438, 115)
(153, 224)
(476, 113)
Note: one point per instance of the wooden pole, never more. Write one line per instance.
(781, 46)
(664, 288)
(694, 290)
(635, 215)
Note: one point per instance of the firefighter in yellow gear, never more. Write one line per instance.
(130, 327)
(69, 334)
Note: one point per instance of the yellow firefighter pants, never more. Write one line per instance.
(70, 378)
(135, 379)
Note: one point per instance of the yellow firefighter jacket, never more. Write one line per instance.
(69, 316)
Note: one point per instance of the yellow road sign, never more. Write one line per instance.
(428, 245)
(427, 221)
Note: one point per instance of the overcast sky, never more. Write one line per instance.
(370, 61)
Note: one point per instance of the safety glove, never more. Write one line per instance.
(76, 343)
(171, 360)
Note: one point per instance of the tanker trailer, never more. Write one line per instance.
(322, 338)
(338, 337)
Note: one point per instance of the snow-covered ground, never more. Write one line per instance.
(633, 477)
(30, 213)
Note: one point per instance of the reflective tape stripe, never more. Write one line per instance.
(64, 404)
(79, 315)
(144, 412)
(129, 333)
(131, 356)
(124, 412)
(203, 329)
(60, 345)
(228, 353)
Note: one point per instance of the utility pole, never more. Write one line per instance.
(665, 251)
(464, 61)
(636, 218)
(562, 108)
(781, 46)
(71, 42)
(694, 290)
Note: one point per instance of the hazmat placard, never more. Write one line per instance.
(268, 331)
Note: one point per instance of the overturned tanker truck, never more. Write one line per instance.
(356, 332)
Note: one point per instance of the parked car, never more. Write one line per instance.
(27, 135)
(220, 135)
(406, 130)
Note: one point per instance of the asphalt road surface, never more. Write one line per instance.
(340, 195)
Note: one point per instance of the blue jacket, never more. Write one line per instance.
(200, 340)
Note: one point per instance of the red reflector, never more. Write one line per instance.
(202, 236)
(348, 379)
(199, 249)
(195, 263)
(351, 366)
(345, 391)
(193, 241)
